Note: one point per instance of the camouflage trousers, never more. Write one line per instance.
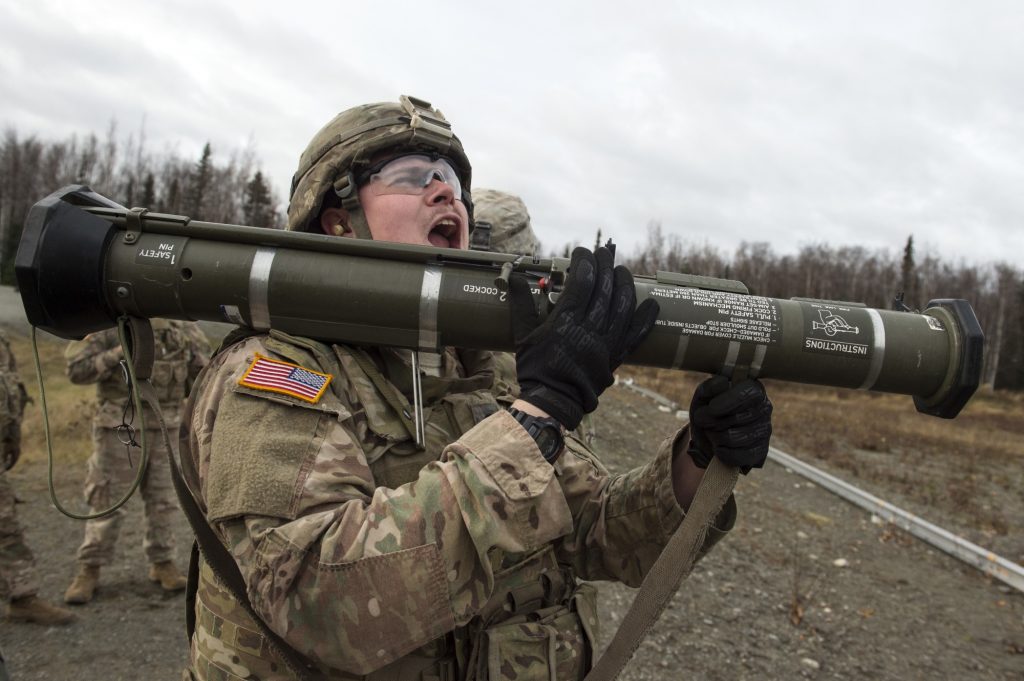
(17, 566)
(108, 478)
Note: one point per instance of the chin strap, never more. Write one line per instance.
(358, 224)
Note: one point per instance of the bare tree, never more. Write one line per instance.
(125, 171)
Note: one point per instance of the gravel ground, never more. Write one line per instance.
(772, 601)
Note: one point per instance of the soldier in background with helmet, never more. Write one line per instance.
(18, 582)
(339, 547)
(181, 351)
(511, 232)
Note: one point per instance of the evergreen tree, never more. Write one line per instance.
(258, 206)
(173, 200)
(129, 192)
(149, 191)
(199, 184)
(908, 276)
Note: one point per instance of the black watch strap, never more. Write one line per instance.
(546, 432)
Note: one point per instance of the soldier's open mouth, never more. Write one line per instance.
(445, 234)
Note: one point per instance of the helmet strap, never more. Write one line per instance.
(345, 189)
(358, 224)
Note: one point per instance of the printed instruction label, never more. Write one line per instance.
(159, 250)
(837, 329)
(717, 314)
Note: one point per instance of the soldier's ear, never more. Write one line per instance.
(334, 222)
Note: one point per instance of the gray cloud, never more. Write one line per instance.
(792, 123)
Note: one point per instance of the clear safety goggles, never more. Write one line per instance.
(412, 174)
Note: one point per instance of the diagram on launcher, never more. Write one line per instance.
(833, 324)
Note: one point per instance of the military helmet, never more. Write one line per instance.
(352, 140)
(510, 222)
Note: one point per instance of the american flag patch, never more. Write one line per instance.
(276, 376)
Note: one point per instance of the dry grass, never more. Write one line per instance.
(972, 466)
(70, 406)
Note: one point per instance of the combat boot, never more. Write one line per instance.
(166, 573)
(36, 610)
(83, 586)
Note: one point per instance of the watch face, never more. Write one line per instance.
(545, 432)
(549, 441)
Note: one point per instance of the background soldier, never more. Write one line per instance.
(18, 580)
(511, 232)
(363, 553)
(181, 351)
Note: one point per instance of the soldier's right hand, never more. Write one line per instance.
(732, 422)
(566, 362)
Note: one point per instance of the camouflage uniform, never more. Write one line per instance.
(17, 565)
(372, 557)
(511, 232)
(181, 352)
(362, 551)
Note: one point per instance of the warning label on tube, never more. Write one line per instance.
(717, 314)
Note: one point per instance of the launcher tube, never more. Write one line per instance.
(84, 261)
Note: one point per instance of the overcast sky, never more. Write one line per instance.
(794, 122)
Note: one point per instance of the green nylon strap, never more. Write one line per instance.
(669, 570)
(217, 556)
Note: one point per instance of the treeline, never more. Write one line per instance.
(232, 190)
(235, 190)
(872, 277)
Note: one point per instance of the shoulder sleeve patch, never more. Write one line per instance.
(285, 378)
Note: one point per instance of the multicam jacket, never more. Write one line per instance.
(181, 351)
(13, 399)
(372, 557)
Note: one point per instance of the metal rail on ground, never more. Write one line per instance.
(988, 562)
(983, 559)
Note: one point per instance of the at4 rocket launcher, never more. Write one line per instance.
(84, 261)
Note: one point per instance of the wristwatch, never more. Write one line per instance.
(546, 432)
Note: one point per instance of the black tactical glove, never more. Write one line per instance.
(564, 363)
(733, 423)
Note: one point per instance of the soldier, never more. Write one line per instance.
(340, 548)
(18, 579)
(181, 351)
(511, 231)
